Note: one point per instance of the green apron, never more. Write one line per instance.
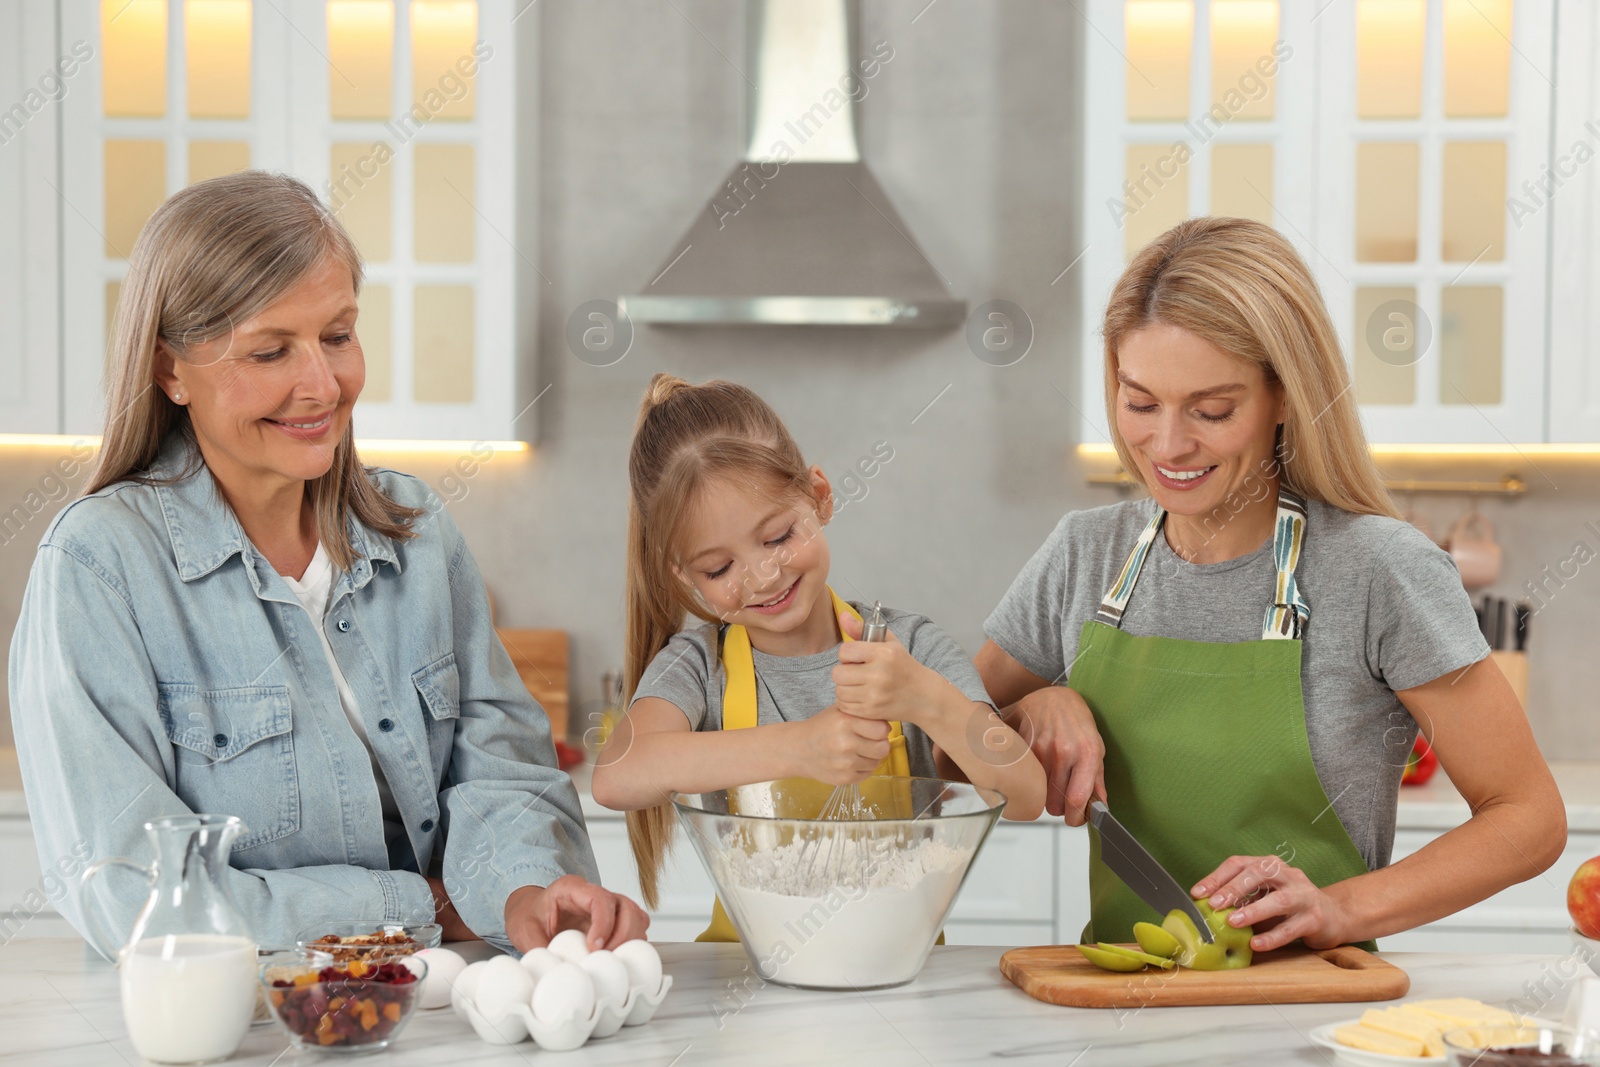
(1206, 748)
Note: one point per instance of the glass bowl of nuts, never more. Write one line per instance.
(356, 939)
(356, 1006)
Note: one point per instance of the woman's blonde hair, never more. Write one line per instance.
(1241, 286)
(687, 435)
(212, 256)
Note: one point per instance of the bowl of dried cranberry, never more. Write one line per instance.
(359, 1006)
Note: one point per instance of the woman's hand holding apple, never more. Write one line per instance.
(1278, 900)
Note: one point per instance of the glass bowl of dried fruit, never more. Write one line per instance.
(358, 1006)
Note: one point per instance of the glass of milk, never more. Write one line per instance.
(188, 969)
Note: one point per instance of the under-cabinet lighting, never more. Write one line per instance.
(1421, 451)
(370, 444)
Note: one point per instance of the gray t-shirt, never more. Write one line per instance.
(688, 674)
(1388, 612)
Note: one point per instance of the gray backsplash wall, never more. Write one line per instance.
(970, 129)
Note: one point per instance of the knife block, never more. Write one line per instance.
(1514, 665)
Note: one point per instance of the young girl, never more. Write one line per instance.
(725, 523)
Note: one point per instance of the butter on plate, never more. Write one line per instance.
(1416, 1029)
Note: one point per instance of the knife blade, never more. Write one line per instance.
(1142, 872)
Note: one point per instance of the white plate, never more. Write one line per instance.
(1356, 1057)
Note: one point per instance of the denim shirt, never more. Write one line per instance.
(161, 666)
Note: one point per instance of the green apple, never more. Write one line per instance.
(1163, 962)
(1229, 950)
(1155, 940)
(1120, 958)
(1111, 961)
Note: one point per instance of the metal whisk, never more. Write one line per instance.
(846, 802)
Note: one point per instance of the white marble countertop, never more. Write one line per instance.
(59, 1006)
(1435, 806)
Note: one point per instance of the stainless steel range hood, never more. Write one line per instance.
(800, 232)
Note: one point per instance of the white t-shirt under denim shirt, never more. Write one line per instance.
(1388, 612)
(312, 590)
(688, 674)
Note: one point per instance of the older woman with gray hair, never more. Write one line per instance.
(239, 617)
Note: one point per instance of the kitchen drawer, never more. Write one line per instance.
(1013, 878)
(1008, 935)
(22, 886)
(1448, 936)
(1539, 903)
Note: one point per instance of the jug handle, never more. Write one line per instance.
(91, 921)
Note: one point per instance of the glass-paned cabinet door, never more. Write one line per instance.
(1194, 107)
(1432, 115)
(406, 122)
(35, 71)
(181, 90)
(399, 113)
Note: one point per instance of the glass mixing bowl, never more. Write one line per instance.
(828, 902)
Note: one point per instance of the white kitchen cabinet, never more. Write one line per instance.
(23, 887)
(401, 114)
(686, 891)
(1072, 881)
(1388, 140)
(1530, 916)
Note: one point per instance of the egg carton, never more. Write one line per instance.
(518, 1023)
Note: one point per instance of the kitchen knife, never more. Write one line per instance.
(1129, 860)
(1524, 613)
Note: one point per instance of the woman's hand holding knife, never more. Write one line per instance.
(1060, 729)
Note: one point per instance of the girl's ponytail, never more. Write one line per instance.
(649, 628)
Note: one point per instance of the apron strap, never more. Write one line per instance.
(1288, 614)
(1287, 617)
(1115, 601)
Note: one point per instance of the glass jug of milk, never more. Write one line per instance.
(189, 967)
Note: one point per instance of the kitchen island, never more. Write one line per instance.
(59, 1007)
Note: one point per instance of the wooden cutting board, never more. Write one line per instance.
(1058, 974)
(540, 657)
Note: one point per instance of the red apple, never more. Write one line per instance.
(1583, 898)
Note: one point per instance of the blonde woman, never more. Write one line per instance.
(240, 618)
(1240, 663)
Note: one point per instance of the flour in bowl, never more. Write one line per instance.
(855, 910)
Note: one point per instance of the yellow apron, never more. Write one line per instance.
(739, 712)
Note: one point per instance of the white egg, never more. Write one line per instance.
(504, 985)
(565, 993)
(539, 962)
(444, 968)
(570, 945)
(643, 963)
(609, 975)
(466, 987)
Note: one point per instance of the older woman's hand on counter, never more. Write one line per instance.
(535, 914)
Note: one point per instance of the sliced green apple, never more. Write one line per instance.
(1229, 950)
(1111, 961)
(1143, 957)
(1156, 941)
